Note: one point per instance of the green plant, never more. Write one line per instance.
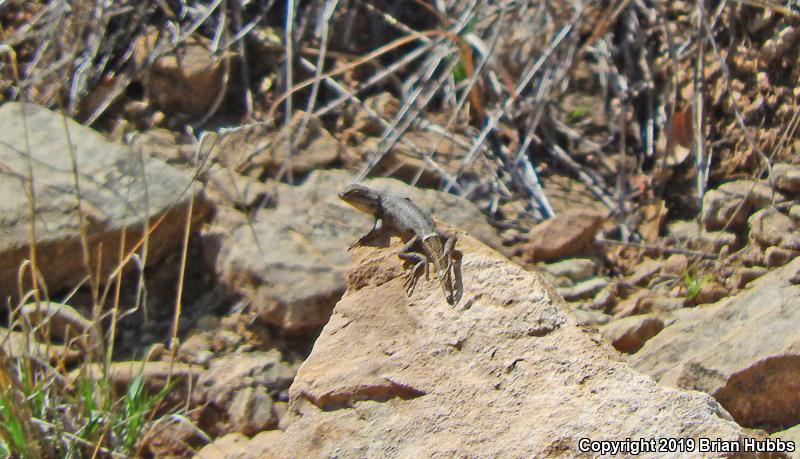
(136, 406)
(693, 282)
(578, 113)
(41, 418)
(459, 72)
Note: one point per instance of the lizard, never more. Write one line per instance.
(413, 225)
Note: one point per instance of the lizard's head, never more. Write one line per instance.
(362, 198)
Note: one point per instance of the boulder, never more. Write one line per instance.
(291, 263)
(258, 150)
(778, 256)
(237, 391)
(405, 161)
(676, 265)
(121, 194)
(238, 446)
(564, 235)
(154, 374)
(233, 445)
(743, 350)
(574, 269)
(19, 345)
(645, 270)
(734, 201)
(503, 373)
(786, 177)
(630, 333)
(187, 79)
(693, 234)
(769, 227)
(584, 289)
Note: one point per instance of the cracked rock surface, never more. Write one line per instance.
(504, 373)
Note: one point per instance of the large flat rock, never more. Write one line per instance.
(120, 191)
(504, 373)
(743, 350)
(291, 264)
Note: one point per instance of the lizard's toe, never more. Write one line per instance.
(410, 283)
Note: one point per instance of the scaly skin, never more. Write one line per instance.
(434, 249)
(405, 218)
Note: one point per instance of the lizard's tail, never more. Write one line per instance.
(446, 281)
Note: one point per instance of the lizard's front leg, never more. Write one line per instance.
(376, 228)
(419, 260)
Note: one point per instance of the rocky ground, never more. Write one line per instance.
(624, 276)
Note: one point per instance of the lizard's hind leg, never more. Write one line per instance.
(449, 246)
(419, 260)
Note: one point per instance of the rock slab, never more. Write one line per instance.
(291, 264)
(504, 373)
(120, 194)
(743, 350)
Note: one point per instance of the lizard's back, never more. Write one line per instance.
(407, 218)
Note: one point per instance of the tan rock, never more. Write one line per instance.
(710, 292)
(60, 320)
(693, 234)
(644, 271)
(408, 159)
(770, 227)
(250, 410)
(185, 80)
(629, 334)
(257, 150)
(414, 377)
(237, 446)
(660, 303)
(564, 235)
(263, 441)
(786, 177)
(676, 265)
(750, 255)
(19, 345)
(240, 191)
(777, 256)
(231, 372)
(279, 409)
(743, 350)
(120, 195)
(574, 269)
(630, 305)
(734, 201)
(197, 348)
(589, 317)
(744, 276)
(231, 446)
(291, 263)
(154, 374)
(164, 145)
(241, 387)
(384, 105)
(791, 434)
(584, 289)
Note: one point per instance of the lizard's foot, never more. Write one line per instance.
(410, 282)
